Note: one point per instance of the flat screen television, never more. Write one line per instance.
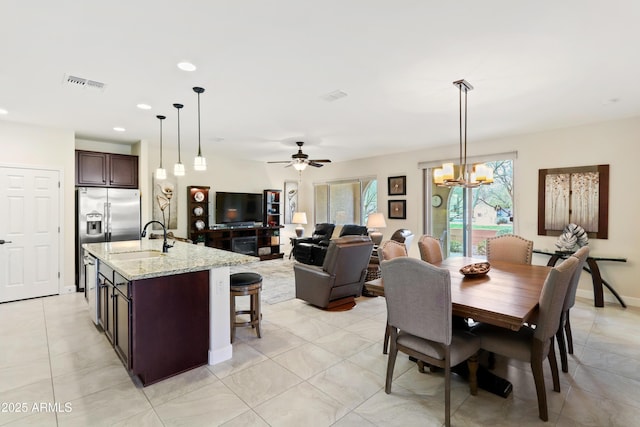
(238, 207)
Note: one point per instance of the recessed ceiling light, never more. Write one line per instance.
(3, 111)
(119, 129)
(144, 106)
(186, 66)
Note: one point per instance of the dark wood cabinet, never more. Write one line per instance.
(158, 327)
(122, 319)
(197, 212)
(264, 241)
(272, 207)
(95, 169)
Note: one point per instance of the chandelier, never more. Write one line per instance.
(469, 176)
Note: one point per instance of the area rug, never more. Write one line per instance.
(278, 282)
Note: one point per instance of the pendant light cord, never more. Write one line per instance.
(199, 148)
(160, 142)
(178, 107)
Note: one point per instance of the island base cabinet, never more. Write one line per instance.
(169, 325)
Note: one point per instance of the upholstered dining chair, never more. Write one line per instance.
(390, 249)
(569, 301)
(418, 297)
(430, 249)
(534, 345)
(509, 248)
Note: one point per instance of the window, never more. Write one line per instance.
(466, 218)
(346, 201)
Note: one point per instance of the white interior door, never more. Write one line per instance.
(29, 233)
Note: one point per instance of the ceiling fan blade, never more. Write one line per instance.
(321, 161)
(282, 161)
(317, 165)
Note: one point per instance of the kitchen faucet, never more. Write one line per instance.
(165, 246)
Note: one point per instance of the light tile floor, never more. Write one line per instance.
(311, 368)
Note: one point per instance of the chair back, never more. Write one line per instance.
(418, 297)
(510, 248)
(323, 231)
(390, 249)
(353, 230)
(569, 301)
(347, 257)
(551, 299)
(430, 249)
(403, 235)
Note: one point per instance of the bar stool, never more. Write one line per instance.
(243, 284)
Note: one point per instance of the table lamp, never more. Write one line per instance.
(375, 221)
(299, 218)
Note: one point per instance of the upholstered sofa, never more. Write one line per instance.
(340, 278)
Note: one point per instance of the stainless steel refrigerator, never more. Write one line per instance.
(104, 215)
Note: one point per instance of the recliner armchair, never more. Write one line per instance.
(311, 250)
(341, 278)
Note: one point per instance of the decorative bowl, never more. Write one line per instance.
(477, 269)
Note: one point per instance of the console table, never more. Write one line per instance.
(592, 268)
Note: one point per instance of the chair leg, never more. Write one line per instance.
(567, 331)
(385, 346)
(392, 360)
(554, 367)
(538, 377)
(447, 388)
(561, 345)
(256, 312)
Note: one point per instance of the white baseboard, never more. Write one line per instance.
(609, 298)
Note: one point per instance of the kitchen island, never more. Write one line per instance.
(164, 313)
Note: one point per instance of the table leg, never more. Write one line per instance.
(598, 281)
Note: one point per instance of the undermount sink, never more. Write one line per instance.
(150, 253)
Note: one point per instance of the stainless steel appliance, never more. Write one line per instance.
(104, 215)
(91, 290)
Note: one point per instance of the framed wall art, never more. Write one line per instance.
(165, 202)
(290, 200)
(397, 209)
(397, 185)
(576, 195)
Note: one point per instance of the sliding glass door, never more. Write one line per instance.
(463, 218)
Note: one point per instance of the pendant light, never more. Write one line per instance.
(199, 163)
(468, 177)
(178, 168)
(161, 173)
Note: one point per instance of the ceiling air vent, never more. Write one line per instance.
(70, 80)
(334, 96)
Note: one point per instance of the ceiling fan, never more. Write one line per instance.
(300, 160)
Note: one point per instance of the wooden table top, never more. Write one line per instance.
(507, 296)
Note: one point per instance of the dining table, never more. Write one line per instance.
(506, 296)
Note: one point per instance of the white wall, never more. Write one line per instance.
(33, 146)
(614, 143)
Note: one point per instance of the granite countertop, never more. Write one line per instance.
(181, 258)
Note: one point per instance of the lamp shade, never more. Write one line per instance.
(376, 220)
(299, 218)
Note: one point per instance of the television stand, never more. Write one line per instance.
(267, 240)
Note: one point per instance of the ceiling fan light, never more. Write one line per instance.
(300, 166)
(200, 163)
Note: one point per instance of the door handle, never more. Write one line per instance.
(2, 242)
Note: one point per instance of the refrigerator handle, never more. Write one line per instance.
(107, 222)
